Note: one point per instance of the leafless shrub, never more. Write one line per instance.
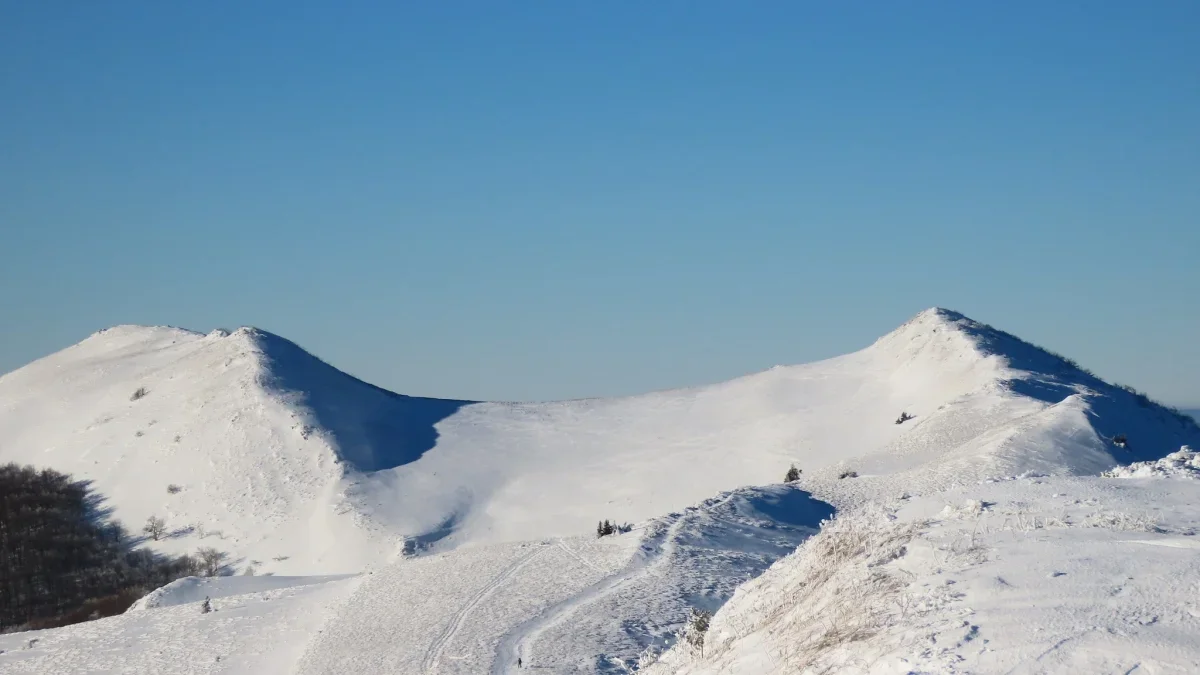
(155, 527)
(212, 561)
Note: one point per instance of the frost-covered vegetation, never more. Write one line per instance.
(1183, 463)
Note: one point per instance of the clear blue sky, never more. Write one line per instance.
(533, 200)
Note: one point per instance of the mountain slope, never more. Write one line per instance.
(255, 434)
(307, 470)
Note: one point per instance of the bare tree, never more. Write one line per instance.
(212, 561)
(155, 527)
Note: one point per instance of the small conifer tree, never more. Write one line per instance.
(696, 627)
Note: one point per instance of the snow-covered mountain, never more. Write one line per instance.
(284, 461)
(945, 520)
(254, 437)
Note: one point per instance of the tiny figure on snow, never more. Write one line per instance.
(519, 662)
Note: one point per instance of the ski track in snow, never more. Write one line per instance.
(519, 644)
(562, 544)
(434, 654)
(691, 553)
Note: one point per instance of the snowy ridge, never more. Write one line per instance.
(1033, 575)
(469, 525)
(304, 469)
(256, 436)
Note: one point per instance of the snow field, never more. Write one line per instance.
(255, 632)
(446, 613)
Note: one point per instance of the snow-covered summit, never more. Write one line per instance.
(255, 436)
(302, 468)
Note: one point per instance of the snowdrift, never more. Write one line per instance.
(1184, 463)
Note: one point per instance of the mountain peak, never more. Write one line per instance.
(942, 313)
(982, 340)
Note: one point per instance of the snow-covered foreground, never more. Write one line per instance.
(294, 468)
(1029, 575)
(262, 631)
(562, 605)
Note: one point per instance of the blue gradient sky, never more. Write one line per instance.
(558, 199)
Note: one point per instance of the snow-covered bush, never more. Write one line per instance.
(648, 657)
